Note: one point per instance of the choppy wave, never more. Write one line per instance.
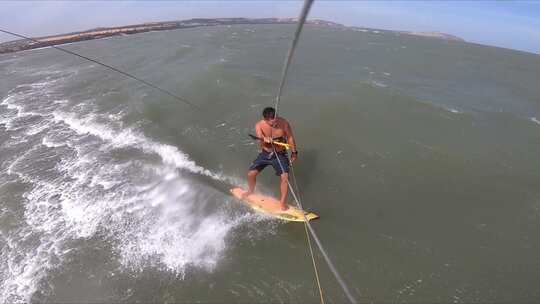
(452, 110)
(378, 84)
(85, 174)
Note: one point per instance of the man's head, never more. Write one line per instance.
(269, 113)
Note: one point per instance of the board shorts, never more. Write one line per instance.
(269, 158)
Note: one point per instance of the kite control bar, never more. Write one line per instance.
(286, 146)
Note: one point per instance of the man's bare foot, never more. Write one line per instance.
(283, 207)
(245, 194)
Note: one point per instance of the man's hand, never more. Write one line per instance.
(294, 156)
(268, 140)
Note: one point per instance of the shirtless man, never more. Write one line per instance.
(270, 129)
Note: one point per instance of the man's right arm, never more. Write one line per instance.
(259, 133)
(258, 130)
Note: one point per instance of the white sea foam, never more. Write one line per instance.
(87, 189)
(170, 155)
(47, 142)
(37, 128)
(62, 101)
(452, 110)
(48, 71)
(535, 120)
(379, 84)
(17, 120)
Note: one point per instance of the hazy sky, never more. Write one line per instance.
(510, 24)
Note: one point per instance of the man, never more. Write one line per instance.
(273, 129)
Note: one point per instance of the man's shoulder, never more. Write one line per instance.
(283, 121)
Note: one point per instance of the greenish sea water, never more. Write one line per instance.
(422, 157)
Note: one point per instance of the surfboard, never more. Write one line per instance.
(270, 206)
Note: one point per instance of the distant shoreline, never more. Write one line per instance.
(97, 33)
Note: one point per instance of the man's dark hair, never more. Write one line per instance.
(269, 113)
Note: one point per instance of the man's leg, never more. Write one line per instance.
(252, 180)
(284, 186)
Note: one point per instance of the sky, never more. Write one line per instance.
(508, 24)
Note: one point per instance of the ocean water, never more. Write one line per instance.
(422, 157)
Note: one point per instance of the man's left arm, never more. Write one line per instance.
(291, 142)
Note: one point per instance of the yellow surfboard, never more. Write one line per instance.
(270, 206)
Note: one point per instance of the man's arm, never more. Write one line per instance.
(290, 136)
(259, 132)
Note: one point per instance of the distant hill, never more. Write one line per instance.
(101, 32)
(435, 35)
